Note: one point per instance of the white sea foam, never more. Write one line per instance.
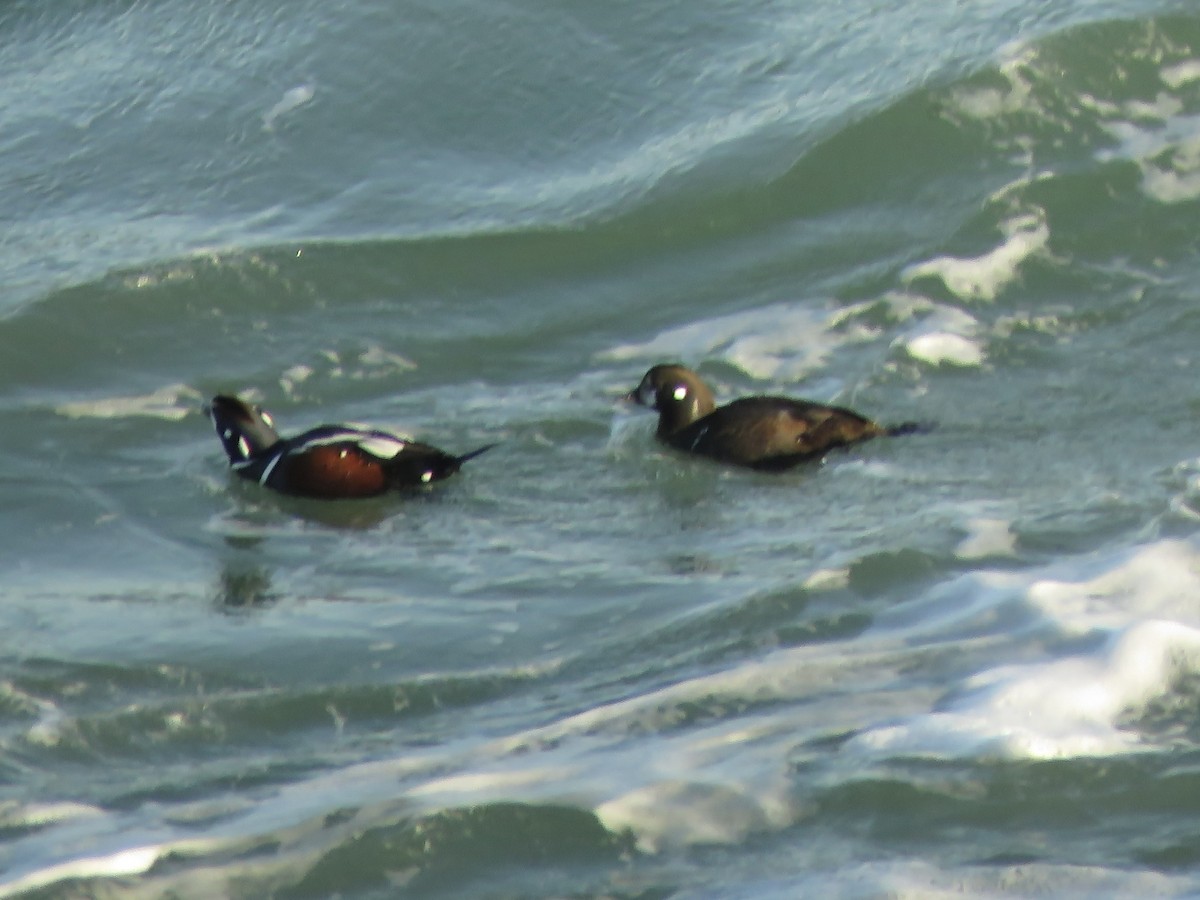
(907, 879)
(26, 815)
(291, 100)
(714, 756)
(1064, 708)
(990, 102)
(782, 342)
(661, 812)
(944, 336)
(940, 347)
(293, 377)
(376, 361)
(729, 776)
(987, 537)
(1178, 75)
(1139, 608)
(174, 402)
(1161, 136)
(1178, 179)
(984, 277)
(132, 861)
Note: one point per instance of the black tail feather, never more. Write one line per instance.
(474, 453)
(910, 428)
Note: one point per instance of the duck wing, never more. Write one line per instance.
(774, 432)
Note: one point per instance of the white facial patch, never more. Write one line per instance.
(243, 446)
(680, 392)
(266, 417)
(426, 477)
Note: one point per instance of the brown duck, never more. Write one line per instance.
(766, 433)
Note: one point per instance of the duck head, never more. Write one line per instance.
(677, 393)
(245, 430)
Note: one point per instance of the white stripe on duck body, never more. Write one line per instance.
(768, 433)
(329, 461)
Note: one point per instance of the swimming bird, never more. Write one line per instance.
(329, 461)
(766, 433)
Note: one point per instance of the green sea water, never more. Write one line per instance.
(960, 662)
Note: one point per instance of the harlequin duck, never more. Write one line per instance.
(330, 461)
(766, 433)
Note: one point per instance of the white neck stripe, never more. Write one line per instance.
(262, 479)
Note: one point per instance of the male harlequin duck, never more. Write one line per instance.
(330, 461)
(766, 433)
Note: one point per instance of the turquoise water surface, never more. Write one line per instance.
(958, 663)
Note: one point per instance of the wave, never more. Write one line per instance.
(713, 759)
(893, 664)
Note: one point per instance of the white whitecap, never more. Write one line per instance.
(293, 377)
(1138, 609)
(132, 861)
(781, 342)
(713, 757)
(939, 347)
(984, 277)
(1178, 75)
(172, 402)
(1158, 135)
(906, 878)
(990, 102)
(1174, 176)
(706, 813)
(378, 361)
(987, 537)
(14, 814)
(292, 99)
(946, 336)
(1059, 709)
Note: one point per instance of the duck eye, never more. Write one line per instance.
(680, 392)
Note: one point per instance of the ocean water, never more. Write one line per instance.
(965, 662)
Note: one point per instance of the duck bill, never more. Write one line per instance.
(633, 399)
